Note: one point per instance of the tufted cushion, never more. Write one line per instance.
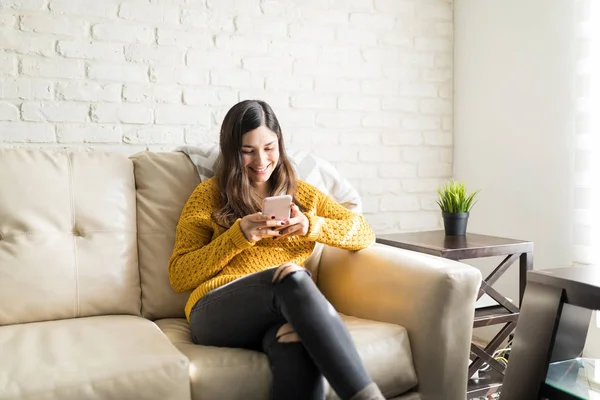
(67, 236)
(228, 373)
(164, 182)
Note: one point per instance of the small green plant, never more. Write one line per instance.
(453, 198)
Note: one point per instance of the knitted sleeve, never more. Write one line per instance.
(195, 257)
(337, 226)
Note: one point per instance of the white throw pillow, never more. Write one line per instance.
(310, 168)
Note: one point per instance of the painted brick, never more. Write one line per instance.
(241, 44)
(91, 50)
(212, 59)
(144, 54)
(436, 107)
(359, 103)
(364, 37)
(360, 137)
(420, 123)
(8, 21)
(276, 99)
(181, 115)
(181, 75)
(105, 8)
(394, 7)
(88, 133)
(52, 68)
(26, 89)
(435, 170)
(201, 18)
(289, 82)
(391, 202)
(311, 32)
(121, 113)
(338, 119)
(380, 154)
(8, 64)
(372, 21)
(88, 91)
(326, 16)
(200, 39)
(113, 32)
(337, 85)
(208, 96)
(242, 7)
(309, 100)
(153, 13)
(136, 93)
(27, 132)
(118, 73)
(261, 26)
(381, 120)
(55, 111)
(267, 65)
(401, 138)
(21, 5)
(436, 138)
(201, 134)
(420, 220)
(153, 134)
(379, 186)
(397, 170)
(8, 111)
(59, 25)
(26, 42)
(236, 79)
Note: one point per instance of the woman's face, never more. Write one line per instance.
(260, 153)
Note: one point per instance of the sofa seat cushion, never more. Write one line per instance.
(104, 357)
(228, 373)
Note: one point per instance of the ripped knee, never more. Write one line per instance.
(284, 270)
(287, 334)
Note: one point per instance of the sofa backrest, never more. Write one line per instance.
(164, 182)
(68, 243)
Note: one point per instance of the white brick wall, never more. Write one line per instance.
(366, 84)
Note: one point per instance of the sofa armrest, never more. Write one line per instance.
(432, 297)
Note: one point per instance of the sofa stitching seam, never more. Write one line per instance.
(72, 199)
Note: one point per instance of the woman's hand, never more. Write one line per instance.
(297, 225)
(258, 226)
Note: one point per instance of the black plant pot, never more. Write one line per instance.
(455, 224)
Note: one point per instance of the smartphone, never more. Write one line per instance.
(279, 206)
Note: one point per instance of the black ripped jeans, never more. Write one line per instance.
(249, 311)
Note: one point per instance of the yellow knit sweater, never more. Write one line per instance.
(207, 255)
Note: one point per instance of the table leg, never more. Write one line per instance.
(533, 342)
(525, 264)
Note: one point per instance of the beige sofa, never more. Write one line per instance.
(86, 310)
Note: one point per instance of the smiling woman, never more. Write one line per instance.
(245, 269)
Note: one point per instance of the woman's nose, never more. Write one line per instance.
(262, 158)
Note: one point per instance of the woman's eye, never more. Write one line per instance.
(246, 152)
(270, 148)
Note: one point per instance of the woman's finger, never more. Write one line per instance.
(289, 231)
(266, 232)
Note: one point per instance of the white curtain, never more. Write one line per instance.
(586, 230)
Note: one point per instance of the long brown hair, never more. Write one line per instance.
(238, 198)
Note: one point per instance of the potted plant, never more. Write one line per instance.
(455, 204)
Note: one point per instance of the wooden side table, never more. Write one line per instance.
(476, 246)
(556, 316)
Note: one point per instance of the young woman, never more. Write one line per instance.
(244, 269)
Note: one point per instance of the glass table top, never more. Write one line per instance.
(579, 377)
